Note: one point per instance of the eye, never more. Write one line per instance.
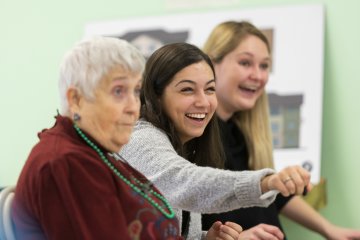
(264, 66)
(137, 91)
(210, 89)
(118, 91)
(245, 63)
(186, 90)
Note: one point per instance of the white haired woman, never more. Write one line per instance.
(71, 187)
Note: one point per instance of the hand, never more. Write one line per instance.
(338, 233)
(227, 231)
(262, 232)
(290, 180)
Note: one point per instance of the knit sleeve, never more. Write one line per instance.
(185, 185)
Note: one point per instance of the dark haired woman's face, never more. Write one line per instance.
(190, 100)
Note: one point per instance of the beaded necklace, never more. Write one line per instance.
(142, 192)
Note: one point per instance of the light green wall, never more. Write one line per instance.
(35, 35)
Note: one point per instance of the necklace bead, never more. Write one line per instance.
(170, 214)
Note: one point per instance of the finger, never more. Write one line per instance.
(309, 187)
(273, 230)
(276, 182)
(260, 233)
(296, 178)
(305, 174)
(225, 236)
(216, 226)
(227, 232)
(297, 184)
(290, 185)
(292, 179)
(234, 226)
(300, 179)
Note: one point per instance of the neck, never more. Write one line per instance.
(138, 186)
(222, 114)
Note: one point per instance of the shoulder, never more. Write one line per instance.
(148, 144)
(146, 139)
(47, 161)
(145, 133)
(145, 126)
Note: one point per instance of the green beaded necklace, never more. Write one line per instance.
(169, 214)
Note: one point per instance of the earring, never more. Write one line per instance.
(76, 117)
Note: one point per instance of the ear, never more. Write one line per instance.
(74, 99)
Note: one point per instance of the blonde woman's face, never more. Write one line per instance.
(111, 116)
(190, 100)
(242, 76)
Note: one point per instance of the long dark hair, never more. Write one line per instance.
(160, 69)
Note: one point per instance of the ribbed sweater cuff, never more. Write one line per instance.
(252, 198)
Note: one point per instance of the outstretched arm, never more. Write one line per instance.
(186, 185)
(203, 189)
(301, 212)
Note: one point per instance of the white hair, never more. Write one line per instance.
(90, 60)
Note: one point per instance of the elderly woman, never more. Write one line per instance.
(176, 144)
(71, 187)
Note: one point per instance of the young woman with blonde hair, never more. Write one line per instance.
(241, 56)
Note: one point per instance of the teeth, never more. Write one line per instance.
(252, 88)
(196, 115)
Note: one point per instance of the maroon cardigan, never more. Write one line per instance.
(65, 191)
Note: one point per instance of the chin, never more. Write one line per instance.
(198, 134)
(117, 145)
(245, 106)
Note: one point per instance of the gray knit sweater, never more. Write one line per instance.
(187, 186)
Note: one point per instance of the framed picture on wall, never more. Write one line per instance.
(295, 88)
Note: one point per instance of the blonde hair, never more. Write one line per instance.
(254, 123)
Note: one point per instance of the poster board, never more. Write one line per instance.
(295, 85)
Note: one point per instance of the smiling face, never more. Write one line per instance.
(190, 101)
(241, 76)
(110, 117)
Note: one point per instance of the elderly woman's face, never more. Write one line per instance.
(110, 117)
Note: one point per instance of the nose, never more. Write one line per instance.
(256, 73)
(133, 104)
(201, 99)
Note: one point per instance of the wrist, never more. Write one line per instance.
(264, 184)
(326, 230)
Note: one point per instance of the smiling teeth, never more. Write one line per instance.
(252, 88)
(196, 115)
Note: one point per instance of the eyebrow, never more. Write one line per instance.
(124, 78)
(120, 78)
(193, 82)
(250, 54)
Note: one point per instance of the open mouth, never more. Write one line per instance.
(196, 116)
(248, 89)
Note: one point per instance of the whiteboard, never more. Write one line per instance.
(297, 39)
